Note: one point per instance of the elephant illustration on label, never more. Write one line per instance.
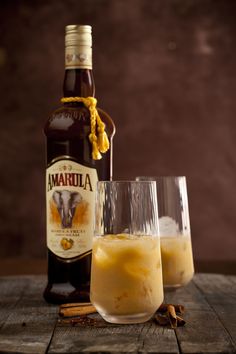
(66, 202)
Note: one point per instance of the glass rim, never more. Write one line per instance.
(163, 179)
(156, 177)
(125, 181)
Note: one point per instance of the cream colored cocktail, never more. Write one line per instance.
(177, 260)
(126, 276)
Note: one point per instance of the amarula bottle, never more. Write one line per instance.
(74, 165)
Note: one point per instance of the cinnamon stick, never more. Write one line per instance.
(161, 319)
(166, 315)
(172, 316)
(180, 321)
(80, 310)
(178, 308)
(76, 304)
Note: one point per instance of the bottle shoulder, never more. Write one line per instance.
(68, 119)
(75, 120)
(107, 120)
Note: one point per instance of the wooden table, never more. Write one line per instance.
(29, 325)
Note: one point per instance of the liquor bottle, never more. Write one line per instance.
(72, 173)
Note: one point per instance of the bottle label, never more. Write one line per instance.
(78, 57)
(70, 198)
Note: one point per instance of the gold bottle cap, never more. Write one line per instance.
(78, 42)
(78, 35)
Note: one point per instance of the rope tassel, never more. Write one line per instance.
(100, 143)
(95, 151)
(103, 142)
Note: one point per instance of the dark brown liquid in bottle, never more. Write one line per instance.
(67, 131)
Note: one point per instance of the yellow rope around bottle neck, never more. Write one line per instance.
(99, 143)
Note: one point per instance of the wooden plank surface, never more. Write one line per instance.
(220, 292)
(139, 338)
(11, 291)
(29, 325)
(204, 332)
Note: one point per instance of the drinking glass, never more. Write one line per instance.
(126, 275)
(174, 224)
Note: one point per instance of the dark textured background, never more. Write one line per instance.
(164, 70)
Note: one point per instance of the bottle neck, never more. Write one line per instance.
(78, 82)
(78, 79)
